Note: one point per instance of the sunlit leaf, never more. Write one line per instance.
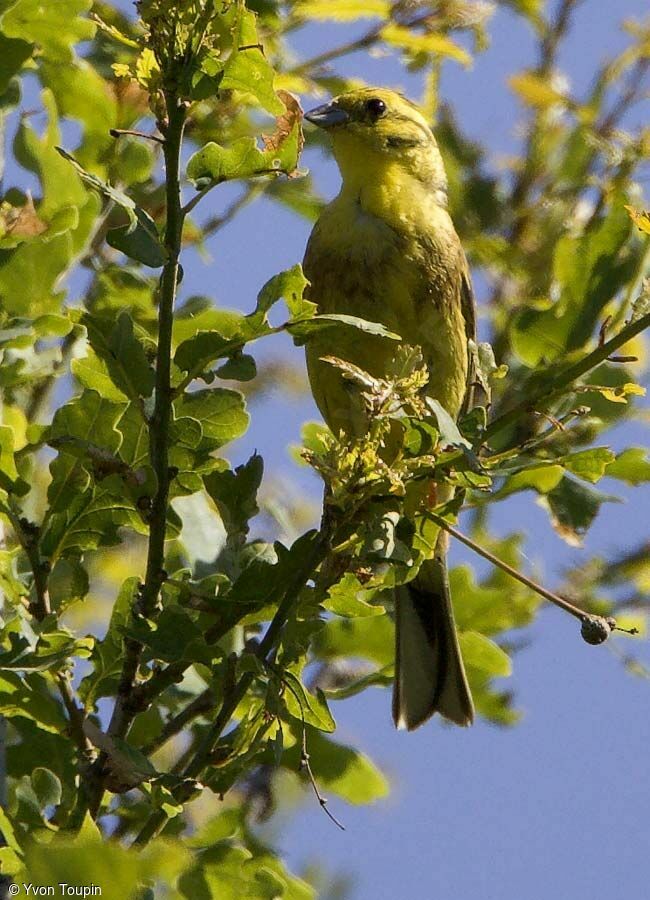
(632, 466)
(431, 42)
(341, 10)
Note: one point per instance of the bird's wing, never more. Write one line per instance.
(468, 307)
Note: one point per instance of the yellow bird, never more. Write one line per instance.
(385, 249)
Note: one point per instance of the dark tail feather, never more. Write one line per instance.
(429, 672)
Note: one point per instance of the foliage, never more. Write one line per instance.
(218, 664)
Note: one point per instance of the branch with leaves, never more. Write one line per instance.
(155, 629)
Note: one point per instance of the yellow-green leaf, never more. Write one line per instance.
(620, 393)
(641, 218)
(438, 44)
(342, 10)
(535, 91)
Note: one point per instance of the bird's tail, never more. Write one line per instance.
(429, 672)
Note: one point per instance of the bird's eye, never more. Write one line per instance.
(376, 107)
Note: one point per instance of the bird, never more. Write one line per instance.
(385, 249)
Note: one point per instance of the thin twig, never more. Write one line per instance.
(372, 36)
(202, 703)
(580, 614)
(304, 755)
(216, 223)
(75, 714)
(119, 132)
(557, 386)
(196, 199)
(306, 765)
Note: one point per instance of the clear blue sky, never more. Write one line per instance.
(558, 806)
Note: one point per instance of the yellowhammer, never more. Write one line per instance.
(386, 250)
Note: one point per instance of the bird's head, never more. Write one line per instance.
(373, 128)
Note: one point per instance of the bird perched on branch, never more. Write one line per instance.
(386, 250)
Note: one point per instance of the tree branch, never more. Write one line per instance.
(556, 387)
(119, 132)
(124, 711)
(202, 703)
(592, 626)
(158, 819)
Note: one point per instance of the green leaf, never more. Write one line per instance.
(42, 260)
(531, 9)
(482, 655)
(55, 27)
(231, 872)
(632, 466)
(540, 478)
(93, 520)
(198, 315)
(221, 413)
(534, 90)
(573, 507)
(75, 423)
(127, 767)
(47, 787)
(8, 833)
(589, 270)
(81, 94)
(240, 367)
(174, 637)
(378, 678)
(140, 243)
(92, 372)
(119, 198)
(21, 332)
(289, 285)
(198, 352)
(590, 465)
(420, 437)
(370, 638)
(247, 69)
(214, 164)
(305, 706)
(86, 859)
(28, 696)
(496, 604)
(68, 583)
(9, 478)
(449, 433)
(243, 158)
(235, 494)
(343, 770)
(29, 652)
(303, 329)
(126, 361)
(349, 598)
(13, 53)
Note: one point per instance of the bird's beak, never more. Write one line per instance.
(327, 116)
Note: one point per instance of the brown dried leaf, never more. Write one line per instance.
(285, 123)
(21, 221)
